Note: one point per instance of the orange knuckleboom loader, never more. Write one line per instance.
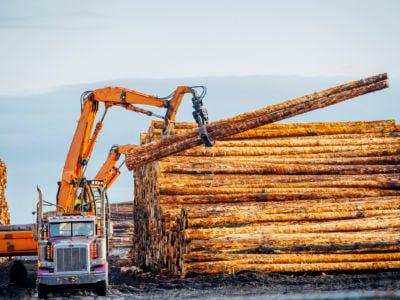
(72, 245)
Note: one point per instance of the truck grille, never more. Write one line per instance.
(71, 259)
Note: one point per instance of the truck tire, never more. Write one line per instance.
(18, 273)
(42, 291)
(101, 287)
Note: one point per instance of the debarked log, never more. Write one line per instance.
(236, 219)
(256, 151)
(269, 168)
(227, 267)
(356, 206)
(249, 240)
(260, 188)
(282, 194)
(370, 160)
(356, 126)
(290, 258)
(310, 216)
(372, 133)
(258, 180)
(319, 225)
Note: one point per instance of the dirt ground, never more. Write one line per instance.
(127, 284)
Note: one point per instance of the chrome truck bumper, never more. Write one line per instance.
(69, 279)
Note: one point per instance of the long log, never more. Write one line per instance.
(260, 188)
(237, 219)
(278, 135)
(255, 188)
(340, 205)
(371, 160)
(249, 240)
(280, 195)
(146, 153)
(257, 180)
(291, 258)
(269, 168)
(309, 142)
(356, 126)
(225, 268)
(4, 213)
(267, 151)
(365, 223)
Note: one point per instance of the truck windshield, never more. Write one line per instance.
(68, 229)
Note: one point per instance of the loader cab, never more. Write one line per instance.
(89, 196)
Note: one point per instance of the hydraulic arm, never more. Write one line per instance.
(84, 139)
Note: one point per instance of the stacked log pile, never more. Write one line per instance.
(121, 217)
(277, 197)
(280, 198)
(139, 156)
(4, 214)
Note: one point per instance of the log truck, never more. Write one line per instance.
(72, 245)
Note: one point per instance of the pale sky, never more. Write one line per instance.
(46, 44)
(51, 51)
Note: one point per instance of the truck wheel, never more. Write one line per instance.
(18, 274)
(42, 291)
(101, 288)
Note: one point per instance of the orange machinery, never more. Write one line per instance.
(18, 239)
(84, 140)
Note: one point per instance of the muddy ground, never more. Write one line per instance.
(127, 284)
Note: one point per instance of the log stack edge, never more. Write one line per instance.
(277, 198)
(4, 213)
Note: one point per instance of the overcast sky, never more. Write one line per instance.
(51, 51)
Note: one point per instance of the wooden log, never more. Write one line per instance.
(280, 194)
(290, 258)
(357, 126)
(355, 249)
(243, 218)
(310, 142)
(121, 217)
(277, 135)
(385, 130)
(238, 167)
(331, 133)
(260, 188)
(146, 153)
(267, 151)
(358, 206)
(257, 180)
(4, 213)
(385, 220)
(249, 240)
(225, 268)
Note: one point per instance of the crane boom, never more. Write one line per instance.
(84, 140)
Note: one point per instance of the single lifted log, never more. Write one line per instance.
(139, 156)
